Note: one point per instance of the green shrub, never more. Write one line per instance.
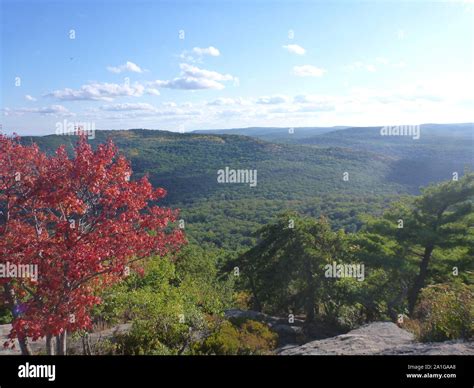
(256, 338)
(167, 306)
(444, 312)
(244, 338)
(5, 315)
(141, 340)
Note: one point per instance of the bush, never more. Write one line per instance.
(167, 305)
(223, 342)
(5, 315)
(244, 338)
(141, 340)
(444, 312)
(243, 300)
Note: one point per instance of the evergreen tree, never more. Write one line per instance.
(286, 267)
(438, 220)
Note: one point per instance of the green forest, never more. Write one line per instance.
(284, 248)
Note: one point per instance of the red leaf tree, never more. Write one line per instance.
(81, 222)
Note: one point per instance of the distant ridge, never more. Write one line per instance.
(284, 134)
(272, 133)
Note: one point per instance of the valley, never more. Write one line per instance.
(304, 174)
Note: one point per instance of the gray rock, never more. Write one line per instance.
(258, 316)
(378, 338)
(74, 345)
(248, 314)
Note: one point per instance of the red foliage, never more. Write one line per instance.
(82, 221)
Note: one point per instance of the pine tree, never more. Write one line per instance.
(287, 264)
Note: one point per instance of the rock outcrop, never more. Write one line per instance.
(378, 338)
(74, 344)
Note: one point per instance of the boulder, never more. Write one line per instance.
(375, 339)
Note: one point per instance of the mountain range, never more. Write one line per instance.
(339, 172)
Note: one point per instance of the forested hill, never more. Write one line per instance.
(187, 164)
(340, 133)
(439, 150)
(279, 134)
(289, 176)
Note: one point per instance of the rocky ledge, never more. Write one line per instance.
(372, 339)
(378, 338)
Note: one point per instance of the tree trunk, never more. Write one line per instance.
(86, 345)
(49, 345)
(11, 298)
(64, 342)
(309, 309)
(61, 343)
(24, 346)
(310, 294)
(58, 345)
(420, 279)
(256, 300)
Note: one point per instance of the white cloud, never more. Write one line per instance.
(311, 108)
(442, 99)
(125, 111)
(372, 66)
(51, 110)
(295, 49)
(194, 78)
(197, 53)
(304, 98)
(152, 91)
(196, 72)
(128, 107)
(272, 100)
(382, 60)
(189, 83)
(313, 100)
(184, 56)
(127, 66)
(308, 71)
(229, 113)
(358, 65)
(223, 101)
(98, 91)
(29, 98)
(212, 51)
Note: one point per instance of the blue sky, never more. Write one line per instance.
(184, 65)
